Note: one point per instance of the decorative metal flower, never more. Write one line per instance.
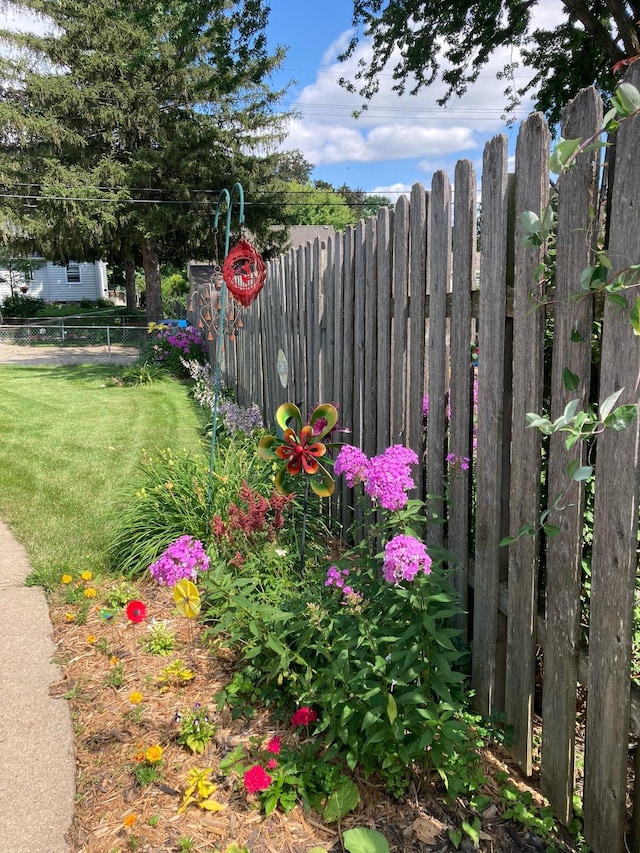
(136, 611)
(300, 448)
(187, 598)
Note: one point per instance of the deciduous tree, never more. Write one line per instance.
(453, 40)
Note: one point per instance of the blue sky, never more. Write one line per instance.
(399, 140)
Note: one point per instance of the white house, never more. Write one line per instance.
(58, 282)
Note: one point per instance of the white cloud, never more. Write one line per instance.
(395, 127)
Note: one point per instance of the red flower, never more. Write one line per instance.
(256, 779)
(272, 764)
(136, 611)
(274, 745)
(303, 716)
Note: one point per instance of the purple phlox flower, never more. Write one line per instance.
(351, 598)
(336, 576)
(353, 463)
(389, 478)
(458, 463)
(404, 557)
(183, 559)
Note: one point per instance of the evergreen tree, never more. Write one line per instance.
(119, 127)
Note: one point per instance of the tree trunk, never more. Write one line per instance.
(151, 265)
(130, 283)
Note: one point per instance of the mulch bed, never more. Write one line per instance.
(113, 813)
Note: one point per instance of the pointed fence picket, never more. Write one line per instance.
(378, 316)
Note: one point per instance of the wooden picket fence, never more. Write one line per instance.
(385, 313)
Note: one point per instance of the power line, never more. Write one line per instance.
(151, 201)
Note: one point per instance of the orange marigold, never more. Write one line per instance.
(154, 754)
(129, 820)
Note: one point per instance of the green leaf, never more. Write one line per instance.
(392, 708)
(626, 99)
(530, 222)
(563, 151)
(362, 840)
(343, 800)
(473, 830)
(582, 472)
(621, 417)
(606, 407)
(570, 380)
(635, 316)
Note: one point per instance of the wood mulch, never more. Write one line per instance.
(103, 663)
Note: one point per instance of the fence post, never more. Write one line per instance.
(109, 342)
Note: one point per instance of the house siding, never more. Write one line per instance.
(50, 283)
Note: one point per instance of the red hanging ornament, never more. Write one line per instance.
(244, 272)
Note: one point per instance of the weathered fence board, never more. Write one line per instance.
(493, 277)
(531, 193)
(572, 321)
(460, 392)
(399, 320)
(418, 246)
(615, 532)
(439, 281)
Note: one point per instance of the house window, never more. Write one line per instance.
(73, 273)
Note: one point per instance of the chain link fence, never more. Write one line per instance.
(73, 336)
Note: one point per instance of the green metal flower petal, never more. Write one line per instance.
(283, 482)
(285, 413)
(328, 413)
(322, 483)
(267, 446)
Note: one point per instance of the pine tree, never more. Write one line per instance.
(119, 128)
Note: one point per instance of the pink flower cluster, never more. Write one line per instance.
(184, 558)
(256, 779)
(303, 716)
(386, 477)
(404, 557)
(353, 463)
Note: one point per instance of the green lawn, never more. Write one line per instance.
(70, 440)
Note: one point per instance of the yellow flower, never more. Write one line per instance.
(87, 576)
(154, 754)
(113, 660)
(129, 820)
(66, 578)
(70, 617)
(135, 698)
(169, 485)
(89, 592)
(91, 639)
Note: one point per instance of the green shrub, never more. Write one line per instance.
(20, 305)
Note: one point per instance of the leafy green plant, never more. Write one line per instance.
(119, 593)
(175, 674)
(142, 373)
(115, 676)
(197, 730)
(199, 791)
(161, 639)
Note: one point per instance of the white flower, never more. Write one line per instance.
(281, 552)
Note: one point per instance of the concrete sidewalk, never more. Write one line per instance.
(37, 768)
